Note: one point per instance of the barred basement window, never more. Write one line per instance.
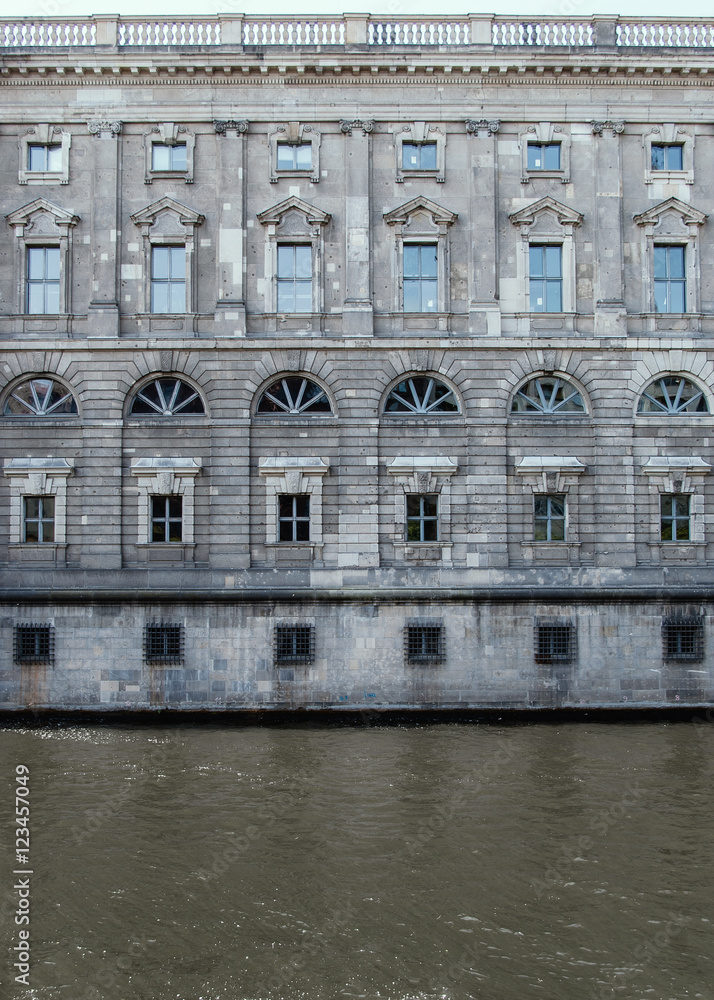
(554, 643)
(163, 643)
(683, 638)
(424, 643)
(294, 643)
(34, 644)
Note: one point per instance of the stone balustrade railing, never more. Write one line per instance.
(361, 30)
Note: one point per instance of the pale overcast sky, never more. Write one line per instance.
(399, 8)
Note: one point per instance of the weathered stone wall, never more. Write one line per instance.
(482, 341)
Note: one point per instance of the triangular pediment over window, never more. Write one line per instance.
(274, 216)
(167, 208)
(532, 214)
(678, 212)
(437, 215)
(42, 217)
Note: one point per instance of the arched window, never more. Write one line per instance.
(294, 395)
(672, 394)
(421, 394)
(166, 397)
(548, 395)
(39, 397)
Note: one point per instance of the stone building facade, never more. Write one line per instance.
(356, 363)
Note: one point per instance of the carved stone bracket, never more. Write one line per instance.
(231, 124)
(96, 128)
(346, 126)
(616, 128)
(476, 126)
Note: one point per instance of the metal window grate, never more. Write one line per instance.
(424, 643)
(163, 643)
(294, 643)
(683, 638)
(33, 643)
(554, 642)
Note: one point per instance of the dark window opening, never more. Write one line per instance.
(554, 643)
(34, 644)
(163, 643)
(683, 638)
(424, 644)
(294, 643)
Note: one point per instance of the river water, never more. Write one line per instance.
(206, 863)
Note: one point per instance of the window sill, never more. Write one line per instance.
(551, 175)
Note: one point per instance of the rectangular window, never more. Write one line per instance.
(546, 278)
(45, 159)
(166, 519)
(38, 519)
(675, 517)
(549, 517)
(294, 278)
(293, 518)
(168, 158)
(168, 279)
(544, 156)
(670, 284)
(554, 643)
(424, 643)
(43, 280)
(683, 638)
(34, 644)
(294, 643)
(420, 277)
(294, 156)
(163, 643)
(667, 157)
(419, 156)
(422, 517)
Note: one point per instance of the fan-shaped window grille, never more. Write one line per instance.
(548, 395)
(39, 397)
(421, 394)
(294, 395)
(166, 397)
(672, 394)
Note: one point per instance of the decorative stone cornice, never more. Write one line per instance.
(230, 125)
(96, 128)
(615, 127)
(476, 126)
(366, 125)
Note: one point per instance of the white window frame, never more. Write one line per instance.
(42, 224)
(295, 134)
(165, 477)
(542, 223)
(677, 475)
(168, 223)
(420, 134)
(293, 476)
(540, 134)
(671, 223)
(44, 135)
(421, 221)
(168, 134)
(548, 475)
(38, 477)
(422, 475)
(293, 222)
(669, 134)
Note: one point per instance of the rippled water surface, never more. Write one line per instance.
(193, 863)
